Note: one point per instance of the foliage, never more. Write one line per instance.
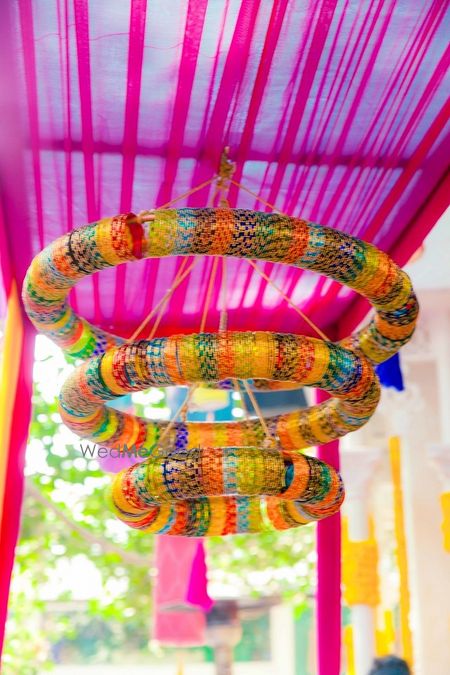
(67, 527)
(26, 650)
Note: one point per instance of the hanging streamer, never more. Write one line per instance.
(390, 373)
(15, 413)
(401, 552)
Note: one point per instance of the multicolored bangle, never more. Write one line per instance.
(224, 232)
(187, 493)
(217, 491)
(209, 357)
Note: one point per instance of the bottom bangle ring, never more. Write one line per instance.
(219, 491)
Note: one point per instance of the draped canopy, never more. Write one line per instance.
(334, 110)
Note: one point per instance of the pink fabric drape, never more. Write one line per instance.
(197, 591)
(328, 598)
(179, 592)
(335, 111)
(18, 361)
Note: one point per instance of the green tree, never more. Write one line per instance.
(66, 518)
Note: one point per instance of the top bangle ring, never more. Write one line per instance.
(224, 232)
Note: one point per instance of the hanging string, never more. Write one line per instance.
(306, 318)
(178, 279)
(226, 172)
(259, 413)
(185, 406)
(223, 181)
(227, 169)
(148, 216)
(309, 321)
(238, 390)
(180, 410)
(163, 307)
(257, 196)
(209, 291)
(223, 322)
(214, 196)
(213, 270)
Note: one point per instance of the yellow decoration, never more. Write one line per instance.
(9, 371)
(402, 558)
(385, 637)
(445, 505)
(359, 569)
(208, 399)
(349, 650)
(180, 663)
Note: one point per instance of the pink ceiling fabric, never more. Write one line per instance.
(333, 110)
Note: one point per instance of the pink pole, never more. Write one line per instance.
(328, 597)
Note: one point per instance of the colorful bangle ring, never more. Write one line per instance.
(187, 359)
(117, 368)
(195, 491)
(224, 232)
(180, 490)
(218, 491)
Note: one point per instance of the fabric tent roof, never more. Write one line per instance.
(334, 110)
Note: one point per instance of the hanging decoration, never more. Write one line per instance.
(360, 569)
(390, 373)
(185, 359)
(216, 491)
(349, 650)
(406, 635)
(178, 620)
(445, 525)
(200, 478)
(224, 232)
